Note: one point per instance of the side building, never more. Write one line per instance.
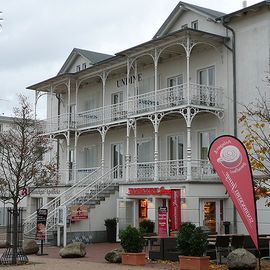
(135, 127)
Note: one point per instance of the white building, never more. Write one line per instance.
(128, 124)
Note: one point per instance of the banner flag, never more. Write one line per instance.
(230, 160)
(175, 209)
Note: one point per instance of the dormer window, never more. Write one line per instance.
(184, 26)
(83, 65)
(194, 25)
(78, 68)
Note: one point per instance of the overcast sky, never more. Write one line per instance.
(37, 36)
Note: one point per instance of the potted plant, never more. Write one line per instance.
(146, 227)
(132, 242)
(192, 243)
(110, 224)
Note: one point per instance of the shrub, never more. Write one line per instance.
(191, 240)
(147, 226)
(131, 240)
(110, 222)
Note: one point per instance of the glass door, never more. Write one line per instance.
(175, 91)
(117, 108)
(206, 79)
(117, 159)
(125, 214)
(212, 215)
(176, 154)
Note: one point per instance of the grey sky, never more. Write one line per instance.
(37, 36)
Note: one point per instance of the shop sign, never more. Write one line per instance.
(46, 191)
(230, 160)
(78, 212)
(162, 221)
(41, 224)
(149, 191)
(175, 209)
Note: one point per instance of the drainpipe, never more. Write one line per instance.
(234, 102)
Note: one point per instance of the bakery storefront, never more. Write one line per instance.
(159, 204)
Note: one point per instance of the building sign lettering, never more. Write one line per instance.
(149, 191)
(132, 79)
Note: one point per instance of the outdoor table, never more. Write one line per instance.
(266, 238)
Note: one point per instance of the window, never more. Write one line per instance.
(145, 151)
(206, 79)
(205, 139)
(1, 127)
(78, 68)
(90, 154)
(206, 76)
(184, 26)
(176, 147)
(83, 65)
(194, 25)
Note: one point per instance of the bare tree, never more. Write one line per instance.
(22, 164)
(255, 120)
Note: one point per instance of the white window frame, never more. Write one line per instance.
(199, 139)
(195, 24)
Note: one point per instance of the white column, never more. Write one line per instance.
(103, 96)
(69, 115)
(127, 153)
(135, 157)
(156, 77)
(68, 157)
(188, 145)
(156, 124)
(188, 69)
(103, 134)
(76, 137)
(51, 108)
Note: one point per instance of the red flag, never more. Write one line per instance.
(230, 160)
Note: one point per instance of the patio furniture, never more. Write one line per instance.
(222, 246)
(237, 241)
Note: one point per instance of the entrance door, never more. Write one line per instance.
(212, 215)
(117, 108)
(117, 159)
(125, 214)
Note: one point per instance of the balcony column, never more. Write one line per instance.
(103, 78)
(103, 131)
(127, 158)
(51, 107)
(76, 103)
(69, 112)
(156, 76)
(156, 118)
(188, 68)
(68, 158)
(128, 72)
(75, 174)
(135, 157)
(188, 122)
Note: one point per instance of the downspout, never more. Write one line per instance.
(234, 102)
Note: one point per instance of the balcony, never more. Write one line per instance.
(170, 98)
(168, 170)
(171, 170)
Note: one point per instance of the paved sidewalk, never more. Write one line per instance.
(93, 260)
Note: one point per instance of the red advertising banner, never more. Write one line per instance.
(230, 160)
(162, 221)
(175, 209)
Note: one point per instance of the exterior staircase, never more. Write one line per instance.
(90, 190)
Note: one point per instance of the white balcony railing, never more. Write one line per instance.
(164, 99)
(170, 170)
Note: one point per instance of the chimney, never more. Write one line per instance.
(244, 4)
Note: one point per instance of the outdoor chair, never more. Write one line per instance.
(222, 246)
(237, 241)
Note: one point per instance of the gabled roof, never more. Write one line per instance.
(253, 8)
(179, 10)
(89, 56)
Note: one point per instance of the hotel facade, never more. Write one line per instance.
(133, 128)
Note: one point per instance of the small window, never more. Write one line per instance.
(83, 65)
(194, 25)
(184, 26)
(1, 128)
(78, 68)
